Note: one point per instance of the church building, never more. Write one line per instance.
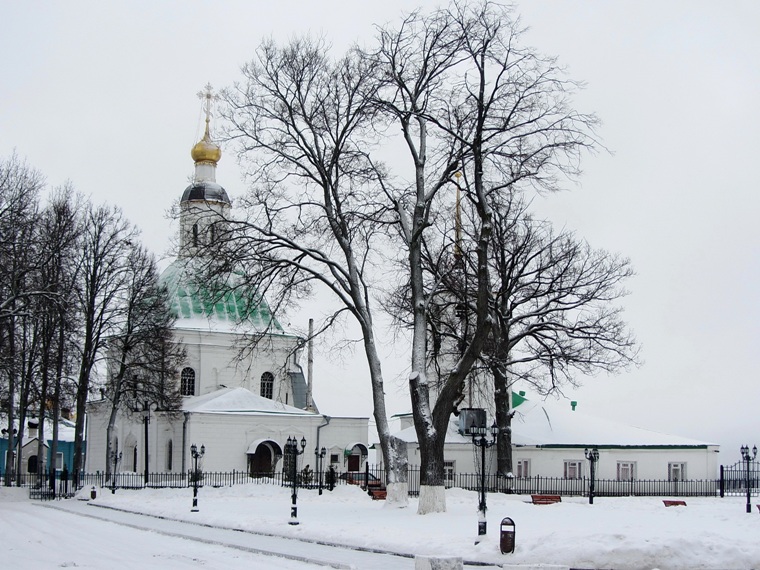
(241, 406)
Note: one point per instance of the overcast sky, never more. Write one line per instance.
(104, 94)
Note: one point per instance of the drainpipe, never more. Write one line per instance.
(310, 370)
(320, 467)
(184, 441)
(327, 421)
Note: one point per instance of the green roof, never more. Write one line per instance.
(193, 301)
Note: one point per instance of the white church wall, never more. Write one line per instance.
(214, 358)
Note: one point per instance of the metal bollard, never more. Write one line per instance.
(507, 535)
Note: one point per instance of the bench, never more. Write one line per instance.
(674, 503)
(545, 499)
(378, 494)
(43, 494)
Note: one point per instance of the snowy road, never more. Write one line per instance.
(75, 534)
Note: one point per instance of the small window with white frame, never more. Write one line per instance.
(626, 470)
(58, 461)
(523, 468)
(676, 471)
(449, 472)
(573, 469)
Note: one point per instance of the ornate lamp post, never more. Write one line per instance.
(291, 449)
(748, 459)
(593, 456)
(10, 455)
(479, 440)
(145, 409)
(320, 455)
(115, 459)
(196, 455)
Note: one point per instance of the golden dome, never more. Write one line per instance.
(205, 150)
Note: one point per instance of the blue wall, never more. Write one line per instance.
(64, 447)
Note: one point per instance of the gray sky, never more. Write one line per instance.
(103, 94)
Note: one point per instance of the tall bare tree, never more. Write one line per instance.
(317, 217)
(20, 187)
(554, 302)
(103, 279)
(59, 233)
(142, 357)
(469, 98)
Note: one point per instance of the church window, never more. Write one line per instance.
(195, 235)
(169, 450)
(267, 385)
(187, 382)
(212, 233)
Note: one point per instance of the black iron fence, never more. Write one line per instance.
(580, 487)
(732, 481)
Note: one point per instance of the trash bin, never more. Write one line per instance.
(507, 536)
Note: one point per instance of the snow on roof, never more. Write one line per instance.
(550, 424)
(547, 424)
(238, 401)
(66, 431)
(409, 435)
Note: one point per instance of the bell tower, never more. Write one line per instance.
(204, 204)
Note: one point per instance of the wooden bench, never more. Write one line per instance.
(545, 499)
(674, 503)
(378, 494)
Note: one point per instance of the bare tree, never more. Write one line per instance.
(467, 99)
(470, 99)
(142, 358)
(103, 279)
(20, 186)
(554, 306)
(59, 233)
(317, 217)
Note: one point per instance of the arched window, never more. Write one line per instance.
(187, 382)
(267, 385)
(195, 235)
(169, 449)
(31, 465)
(212, 232)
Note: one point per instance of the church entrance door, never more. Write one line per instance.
(260, 463)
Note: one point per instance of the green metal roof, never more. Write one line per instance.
(194, 301)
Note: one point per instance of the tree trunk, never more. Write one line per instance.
(393, 450)
(503, 421)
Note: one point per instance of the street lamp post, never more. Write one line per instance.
(748, 459)
(479, 440)
(593, 456)
(291, 448)
(115, 459)
(196, 455)
(10, 456)
(145, 409)
(320, 454)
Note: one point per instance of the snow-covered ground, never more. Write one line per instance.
(614, 533)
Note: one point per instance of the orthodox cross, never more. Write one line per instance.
(208, 96)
